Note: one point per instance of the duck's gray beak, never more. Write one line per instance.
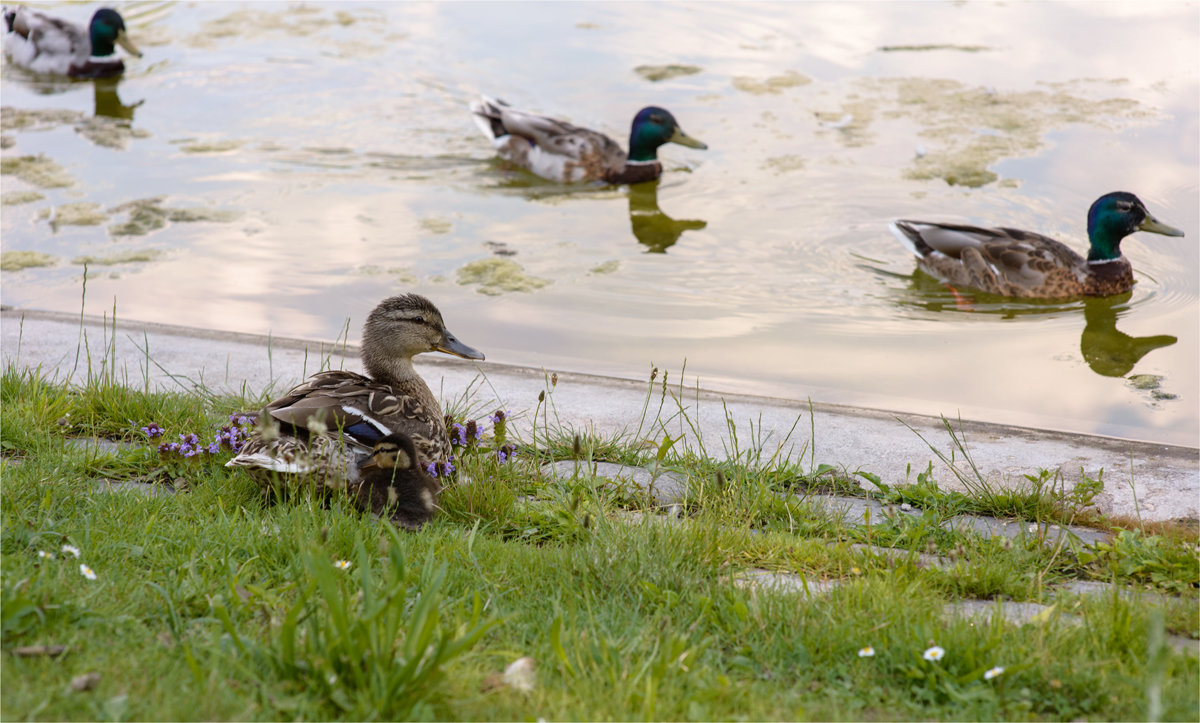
(450, 345)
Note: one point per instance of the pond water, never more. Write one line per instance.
(280, 168)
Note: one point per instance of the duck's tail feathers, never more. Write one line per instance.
(267, 462)
(486, 113)
(910, 236)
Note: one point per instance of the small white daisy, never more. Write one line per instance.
(87, 572)
(342, 564)
(70, 550)
(934, 654)
(46, 555)
(993, 672)
(867, 652)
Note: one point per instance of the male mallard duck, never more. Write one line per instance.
(394, 484)
(321, 431)
(46, 44)
(559, 151)
(1010, 262)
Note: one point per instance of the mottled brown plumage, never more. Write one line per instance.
(319, 432)
(1012, 262)
(394, 485)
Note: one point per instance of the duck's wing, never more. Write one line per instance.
(498, 119)
(1004, 261)
(361, 408)
(48, 34)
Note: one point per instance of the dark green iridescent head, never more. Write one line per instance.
(1113, 217)
(652, 127)
(108, 29)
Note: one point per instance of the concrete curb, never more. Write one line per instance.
(1165, 478)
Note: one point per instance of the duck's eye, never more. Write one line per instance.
(418, 319)
(656, 119)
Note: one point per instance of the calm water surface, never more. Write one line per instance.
(308, 160)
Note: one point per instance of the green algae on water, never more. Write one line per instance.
(17, 260)
(16, 198)
(109, 132)
(120, 257)
(943, 46)
(436, 225)
(148, 214)
(39, 119)
(211, 146)
(969, 128)
(37, 171)
(607, 267)
(784, 164)
(75, 214)
(496, 276)
(656, 73)
(401, 274)
(773, 85)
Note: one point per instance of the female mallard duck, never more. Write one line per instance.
(559, 151)
(46, 44)
(320, 432)
(395, 485)
(1010, 262)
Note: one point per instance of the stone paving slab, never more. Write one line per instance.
(759, 579)
(1166, 478)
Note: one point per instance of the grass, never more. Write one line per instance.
(212, 604)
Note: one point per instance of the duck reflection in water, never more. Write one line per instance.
(1107, 350)
(108, 103)
(654, 229)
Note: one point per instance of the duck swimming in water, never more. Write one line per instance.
(46, 44)
(565, 153)
(1011, 262)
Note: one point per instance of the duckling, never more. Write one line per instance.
(319, 432)
(1010, 262)
(46, 44)
(393, 484)
(565, 153)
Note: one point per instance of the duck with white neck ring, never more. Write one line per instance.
(46, 44)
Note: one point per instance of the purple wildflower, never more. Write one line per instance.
(152, 430)
(440, 469)
(506, 453)
(473, 430)
(214, 448)
(498, 417)
(458, 435)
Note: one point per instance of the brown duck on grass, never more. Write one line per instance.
(1011, 262)
(325, 432)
